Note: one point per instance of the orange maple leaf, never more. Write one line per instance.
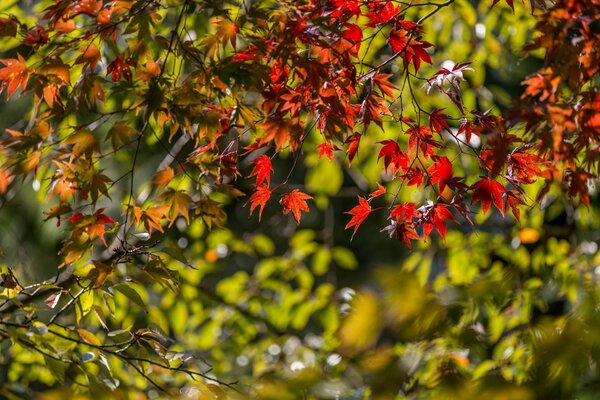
(295, 202)
(89, 57)
(163, 177)
(13, 75)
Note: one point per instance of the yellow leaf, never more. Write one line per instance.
(361, 328)
(120, 134)
(89, 337)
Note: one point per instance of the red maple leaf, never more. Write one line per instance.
(402, 232)
(262, 169)
(513, 200)
(295, 202)
(381, 13)
(392, 154)
(437, 121)
(413, 177)
(400, 40)
(404, 213)
(380, 191)
(120, 67)
(488, 191)
(353, 141)
(359, 214)
(525, 167)
(577, 181)
(437, 217)
(423, 137)
(468, 128)
(440, 172)
(326, 149)
(36, 37)
(259, 198)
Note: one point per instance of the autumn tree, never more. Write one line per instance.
(175, 149)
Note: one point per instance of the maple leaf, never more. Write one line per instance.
(353, 142)
(413, 176)
(120, 67)
(293, 102)
(326, 149)
(90, 56)
(391, 154)
(380, 191)
(467, 128)
(98, 185)
(227, 31)
(281, 131)
(94, 225)
(402, 232)
(380, 14)
(151, 216)
(13, 75)
(423, 137)
(440, 172)
(498, 149)
(295, 202)
(359, 214)
(577, 181)
(352, 36)
(178, 202)
(261, 195)
(120, 134)
(400, 40)
(36, 37)
(487, 191)
(436, 217)
(262, 169)
(404, 213)
(402, 226)
(372, 108)
(525, 167)
(87, 7)
(8, 26)
(513, 199)
(437, 121)
(382, 82)
(163, 177)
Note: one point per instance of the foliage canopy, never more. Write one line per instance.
(175, 149)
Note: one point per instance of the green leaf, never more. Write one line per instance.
(84, 304)
(57, 368)
(131, 294)
(344, 258)
(321, 260)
